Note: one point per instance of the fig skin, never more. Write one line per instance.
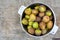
(44, 31)
(31, 30)
(46, 19)
(35, 11)
(42, 8)
(37, 32)
(27, 16)
(42, 25)
(48, 13)
(28, 11)
(41, 14)
(30, 23)
(28, 27)
(24, 21)
(35, 25)
(38, 19)
(49, 24)
(37, 7)
(32, 17)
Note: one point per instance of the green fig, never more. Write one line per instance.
(37, 32)
(42, 8)
(28, 11)
(35, 25)
(30, 23)
(27, 16)
(28, 27)
(24, 21)
(37, 7)
(48, 13)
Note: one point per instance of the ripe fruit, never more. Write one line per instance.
(49, 24)
(35, 11)
(32, 17)
(41, 14)
(31, 30)
(38, 19)
(42, 25)
(46, 18)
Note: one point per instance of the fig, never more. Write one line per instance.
(30, 23)
(24, 21)
(44, 31)
(35, 11)
(49, 24)
(32, 17)
(42, 25)
(42, 8)
(37, 7)
(35, 25)
(48, 13)
(28, 27)
(28, 11)
(38, 19)
(46, 19)
(37, 32)
(41, 14)
(27, 16)
(31, 30)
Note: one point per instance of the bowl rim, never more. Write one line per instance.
(48, 32)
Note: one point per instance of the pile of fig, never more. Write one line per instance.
(38, 20)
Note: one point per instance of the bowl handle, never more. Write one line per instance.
(21, 9)
(54, 30)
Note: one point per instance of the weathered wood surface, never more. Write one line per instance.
(10, 28)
